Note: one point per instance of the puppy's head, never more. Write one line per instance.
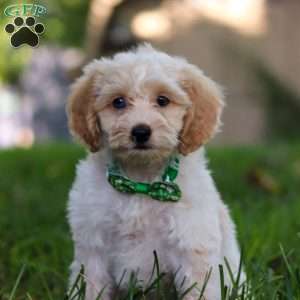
(144, 104)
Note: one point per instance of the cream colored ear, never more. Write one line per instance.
(203, 117)
(82, 116)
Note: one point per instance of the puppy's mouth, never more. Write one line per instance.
(135, 148)
(142, 153)
(142, 147)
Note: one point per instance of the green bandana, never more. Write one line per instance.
(164, 190)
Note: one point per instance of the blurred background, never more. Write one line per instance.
(250, 47)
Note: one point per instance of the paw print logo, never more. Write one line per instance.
(24, 31)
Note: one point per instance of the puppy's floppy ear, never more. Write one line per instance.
(203, 116)
(82, 116)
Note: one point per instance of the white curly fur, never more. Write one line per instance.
(114, 231)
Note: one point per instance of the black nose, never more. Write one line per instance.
(141, 133)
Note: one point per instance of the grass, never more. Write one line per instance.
(260, 184)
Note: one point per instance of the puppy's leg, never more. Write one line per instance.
(230, 249)
(196, 251)
(95, 274)
(204, 251)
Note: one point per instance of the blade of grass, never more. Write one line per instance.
(206, 279)
(222, 282)
(287, 264)
(240, 268)
(229, 271)
(75, 284)
(100, 294)
(188, 290)
(28, 296)
(46, 286)
(13, 292)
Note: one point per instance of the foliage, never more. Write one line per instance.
(33, 193)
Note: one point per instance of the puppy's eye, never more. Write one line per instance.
(119, 103)
(162, 101)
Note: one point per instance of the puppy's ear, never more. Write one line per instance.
(82, 116)
(203, 116)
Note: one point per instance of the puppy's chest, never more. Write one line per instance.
(143, 219)
(143, 225)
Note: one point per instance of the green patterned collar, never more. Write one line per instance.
(164, 190)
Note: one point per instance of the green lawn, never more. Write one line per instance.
(260, 184)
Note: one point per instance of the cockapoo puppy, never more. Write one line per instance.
(141, 113)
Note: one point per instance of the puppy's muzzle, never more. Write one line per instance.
(140, 134)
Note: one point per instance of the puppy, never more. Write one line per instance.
(138, 110)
